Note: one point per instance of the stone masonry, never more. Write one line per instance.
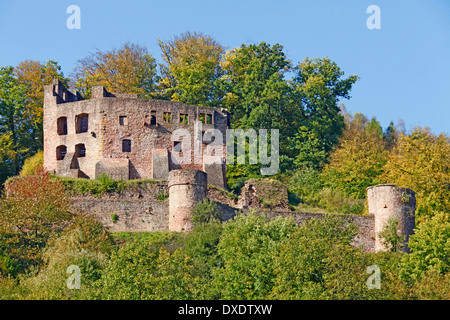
(123, 136)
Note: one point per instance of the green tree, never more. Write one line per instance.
(430, 248)
(14, 124)
(318, 86)
(247, 246)
(307, 264)
(255, 85)
(191, 69)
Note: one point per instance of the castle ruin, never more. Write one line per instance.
(125, 137)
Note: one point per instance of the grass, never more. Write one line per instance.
(102, 185)
(226, 192)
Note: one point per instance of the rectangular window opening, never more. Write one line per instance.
(167, 117)
(126, 145)
(123, 120)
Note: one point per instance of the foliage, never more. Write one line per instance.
(359, 160)
(248, 246)
(312, 258)
(86, 244)
(390, 236)
(162, 196)
(128, 69)
(430, 248)
(33, 75)
(33, 208)
(191, 69)
(114, 217)
(421, 162)
(14, 137)
(201, 245)
(103, 184)
(205, 211)
(33, 164)
(140, 271)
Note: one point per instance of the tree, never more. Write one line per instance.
(430, 248)
(255, 87)
(32, 209)
(318, 86)
(191, 69)
(14, 125)
(128, 69)
(421, 162)
(33, 75)
(359, 159)
(318, 262)
(248, 246)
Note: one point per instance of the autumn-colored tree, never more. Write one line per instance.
(33, 208)
(33, 75)
(421, 162)
(128, 69)
(359, 159)
(191, 69)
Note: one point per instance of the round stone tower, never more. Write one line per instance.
(389, 201)
(186, 188)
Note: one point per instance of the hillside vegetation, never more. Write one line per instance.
(328, 157)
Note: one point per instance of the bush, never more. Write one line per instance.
(33, 164)
(430, 248)
(390, 238)
(114, 217)
(85, 244)
(205, 211)
(33, 209)
(248, 246)
(103, 184)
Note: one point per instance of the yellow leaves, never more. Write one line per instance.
(129, 69)
(421, 162)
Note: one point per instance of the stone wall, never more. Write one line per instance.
(120, 126)
(139, 210)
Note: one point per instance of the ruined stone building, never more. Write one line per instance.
(123, 136)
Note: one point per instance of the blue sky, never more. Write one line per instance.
(404, 66)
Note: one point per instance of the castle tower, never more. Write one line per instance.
(389, 201)
(186, 188)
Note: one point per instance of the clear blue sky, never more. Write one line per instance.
(404, 66)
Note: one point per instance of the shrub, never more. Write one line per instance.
(162, 196)
(430, 248)
(248, 246)
(114, 217)
(390, 238)
(205, 211)
(33, 208)
(33, 164)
